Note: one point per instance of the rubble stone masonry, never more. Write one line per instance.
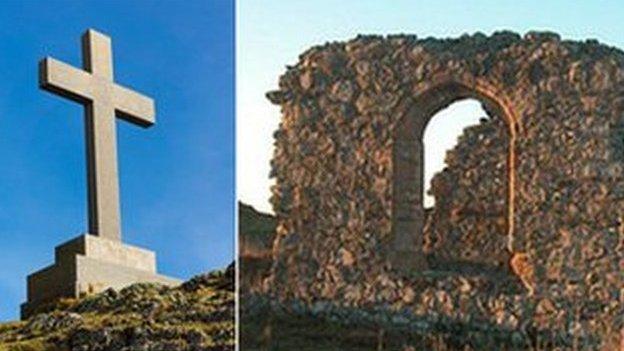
(533, 194)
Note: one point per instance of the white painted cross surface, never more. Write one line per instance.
(104, 100)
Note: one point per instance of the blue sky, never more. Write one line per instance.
(177, 178)
(271, 35)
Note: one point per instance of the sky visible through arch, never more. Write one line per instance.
(272, 34)
(441, 135)
(176, 178)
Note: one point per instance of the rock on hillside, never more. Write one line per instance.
(257, 231)
(256, 234)
(197, 315)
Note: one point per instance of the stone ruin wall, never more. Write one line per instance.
(543, 178)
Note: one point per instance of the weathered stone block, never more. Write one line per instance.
(107, 250)
(89, 264)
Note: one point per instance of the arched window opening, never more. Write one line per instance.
(453, 162)
(441, 136)
(465, 152)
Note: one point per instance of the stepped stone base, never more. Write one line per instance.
(89, 264)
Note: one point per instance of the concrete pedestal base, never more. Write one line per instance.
(90, 264)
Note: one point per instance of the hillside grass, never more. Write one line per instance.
(199, 313)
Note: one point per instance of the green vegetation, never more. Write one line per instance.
(198, 315)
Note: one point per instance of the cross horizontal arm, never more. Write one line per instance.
(63, 79)
(134, 107)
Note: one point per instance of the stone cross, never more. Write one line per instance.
(103, 100)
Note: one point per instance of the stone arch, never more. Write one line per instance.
(408, 162)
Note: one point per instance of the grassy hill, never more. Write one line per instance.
(198, 315)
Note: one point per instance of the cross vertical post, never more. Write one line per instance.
(103, 99)
(101, 140)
